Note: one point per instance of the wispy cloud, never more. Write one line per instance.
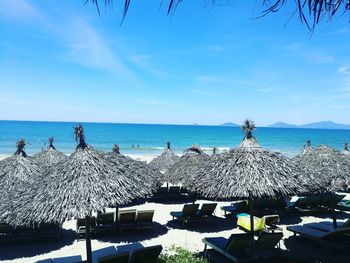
(265, 90)
(309, 54)
(144, 61)
(200, 92)
(344, 70)
(89, 48)
(19, 10)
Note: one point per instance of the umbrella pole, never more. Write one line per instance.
(88, 239)
(334, 218)
(116, 212)
(251, 208)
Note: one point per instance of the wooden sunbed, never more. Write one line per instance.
(206, 211)
(188, 213)
(233, 248)
(146, 254)
(328, 226)
(238, 247)
(145, 219)
(127, 219)
(338, 239)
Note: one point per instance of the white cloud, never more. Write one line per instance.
(309, 54)
(87, 47)
(200, 92)
(344, 70)
(265, 90)
(19, 10)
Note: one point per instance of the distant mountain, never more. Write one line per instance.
(315, 125)
(229, 124)
(326, 125)
(283, 125)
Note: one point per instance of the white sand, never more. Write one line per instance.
(171, 234)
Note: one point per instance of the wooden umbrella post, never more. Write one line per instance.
(251, 208)
(334, 218)
(88, 239)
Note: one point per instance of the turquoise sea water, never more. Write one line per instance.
(152, 138)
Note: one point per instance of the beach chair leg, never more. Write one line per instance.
(205, 251)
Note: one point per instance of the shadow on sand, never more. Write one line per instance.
(132, 236)
(208, 226)
(31, 249)
(306, 250)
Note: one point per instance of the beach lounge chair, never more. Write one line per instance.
(238, 247)
(105, 222)
(146, 255)
(81, 228)
(327, 226)
(116, 258)
(6, 232)
(316, 202)
(260, 223)
(268, 241)
(127, 219)
(50, 232)
(206, 211)
(145, 219)
(235, 207)
(233, 248)
(69, 259)
(188, 213)
(338, 239)
(343, 205)
(103, 252)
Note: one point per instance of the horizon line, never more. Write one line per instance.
(233, 125)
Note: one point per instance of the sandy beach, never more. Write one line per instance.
(168, 233)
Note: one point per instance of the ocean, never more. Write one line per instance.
(150, 139)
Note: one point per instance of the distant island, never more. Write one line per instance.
(314, 125)
(229, 124)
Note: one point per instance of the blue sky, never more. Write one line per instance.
(60, 61)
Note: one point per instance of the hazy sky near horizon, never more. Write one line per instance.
(60, 61)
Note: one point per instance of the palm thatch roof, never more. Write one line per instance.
(310, 12)
(307, 148)
(145, 177)
(18, 170)
(85, 182)
(247, 171)
(328, 165)
(165, 160)
(49, 156)
(186, 166)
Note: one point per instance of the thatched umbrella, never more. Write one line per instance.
(307, 148)
(85, 182)
(49, 156)
(19, 174)
(164, 161)
(187, 165)
(145, 177)
(248, 172)
(329, 166)
(18, 170)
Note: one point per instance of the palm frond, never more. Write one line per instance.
(310, 12)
